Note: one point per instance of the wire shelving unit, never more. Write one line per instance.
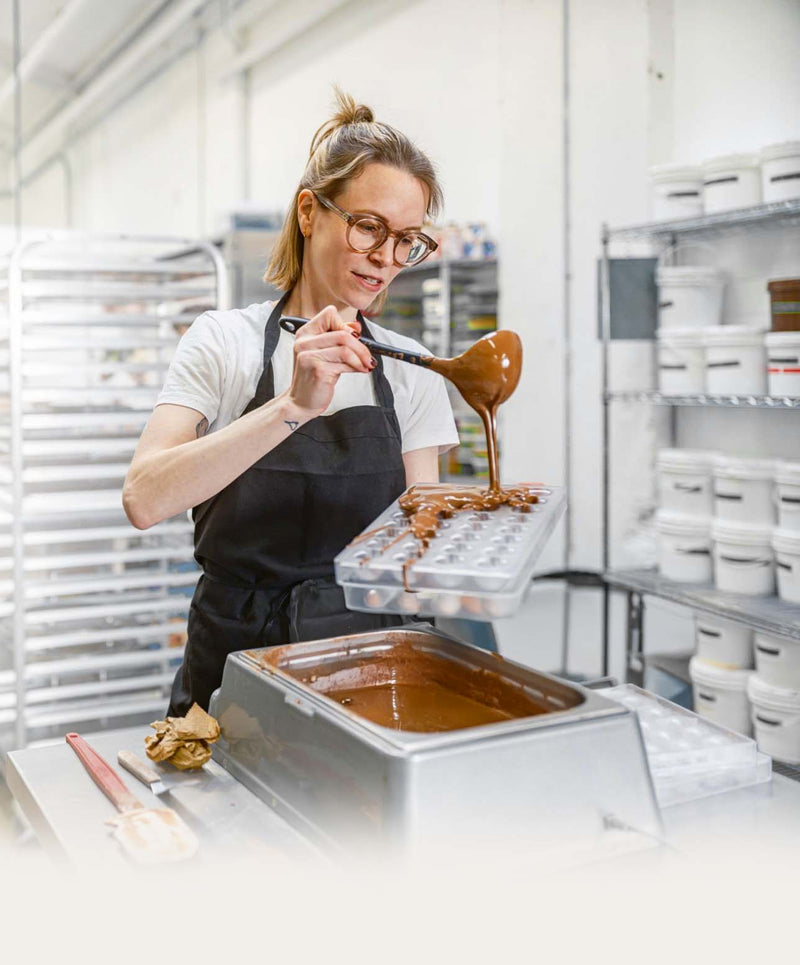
(92, 611)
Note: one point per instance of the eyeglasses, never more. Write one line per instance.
(368, 232)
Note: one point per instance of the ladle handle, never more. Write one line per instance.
(292, 324)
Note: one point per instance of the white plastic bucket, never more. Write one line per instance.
(684, 547)
(735, 361)
(786, 544)
(743, 558)
(677, 192)
(688, 297)
(743, 490)
(685, 481)
(721, 695)
(723, 642)
(681, 361)
(783, 363)
(787, 494)
(776, 719)
(731, 181)
(780, 171)
(777, 660)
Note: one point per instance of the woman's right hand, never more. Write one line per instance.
(325, 348)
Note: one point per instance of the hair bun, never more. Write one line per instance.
(347, 112)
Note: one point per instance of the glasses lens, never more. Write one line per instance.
(411, 249)
(366, 234)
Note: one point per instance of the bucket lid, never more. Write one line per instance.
(783, 339)
(787, 473)
(786, 541)
(686, 460)
(678, 524)
(687, 275)
(723, 678)
(676, 172)
(741, 534)
(728, 467)
(730, 162)
(783, 286)
(771, 697)
(691, 337)
(774, 151)
(733, 335)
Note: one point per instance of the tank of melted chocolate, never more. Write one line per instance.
(408, 687)
(408, 738)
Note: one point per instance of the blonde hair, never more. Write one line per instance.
(340, 150)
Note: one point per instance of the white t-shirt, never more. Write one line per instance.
(219, 360)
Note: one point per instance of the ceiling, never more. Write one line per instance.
(67, 46)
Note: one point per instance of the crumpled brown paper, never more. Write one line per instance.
(183, 741)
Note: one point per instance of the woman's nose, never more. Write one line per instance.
(384, 254)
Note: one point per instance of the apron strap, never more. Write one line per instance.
(265, 390)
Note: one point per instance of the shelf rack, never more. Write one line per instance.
(768, 614)
(762, 614)
(92, 611)
(726, 401)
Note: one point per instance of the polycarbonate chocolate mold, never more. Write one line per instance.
(478, 565)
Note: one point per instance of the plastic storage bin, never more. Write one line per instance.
(780, 171)
(721, 695)
(787, 494)
(688, 297)
(684, 547)
(777, 660)
(735, 361)
(743, 490)
(677, 191)
(724, 643)
(783, 363)
(731, 181)
(776, 719)
(743, 558)
(784, 295)
(786, 544)
(685, 481)
(681, 361)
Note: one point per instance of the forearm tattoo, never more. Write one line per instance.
(202, 427)
(291, 423)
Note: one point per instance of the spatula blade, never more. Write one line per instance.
(152, 835)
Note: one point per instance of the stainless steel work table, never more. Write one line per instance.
(67, 811)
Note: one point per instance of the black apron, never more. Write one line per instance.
(266, 542)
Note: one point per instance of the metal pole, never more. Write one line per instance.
(15, 404)
(605, 332)
(567, 255)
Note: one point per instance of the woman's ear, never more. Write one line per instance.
(305, 211)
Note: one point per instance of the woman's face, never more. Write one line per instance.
(345, 278)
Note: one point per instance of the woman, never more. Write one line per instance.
(288, 446)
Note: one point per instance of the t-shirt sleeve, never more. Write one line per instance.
(196, 375)
(430, 417)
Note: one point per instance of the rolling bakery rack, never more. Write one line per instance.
(768, 614)
(92, 610)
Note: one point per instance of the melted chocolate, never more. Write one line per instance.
(486, 375)
(405, 688)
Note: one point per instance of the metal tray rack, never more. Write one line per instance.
(92, 610)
